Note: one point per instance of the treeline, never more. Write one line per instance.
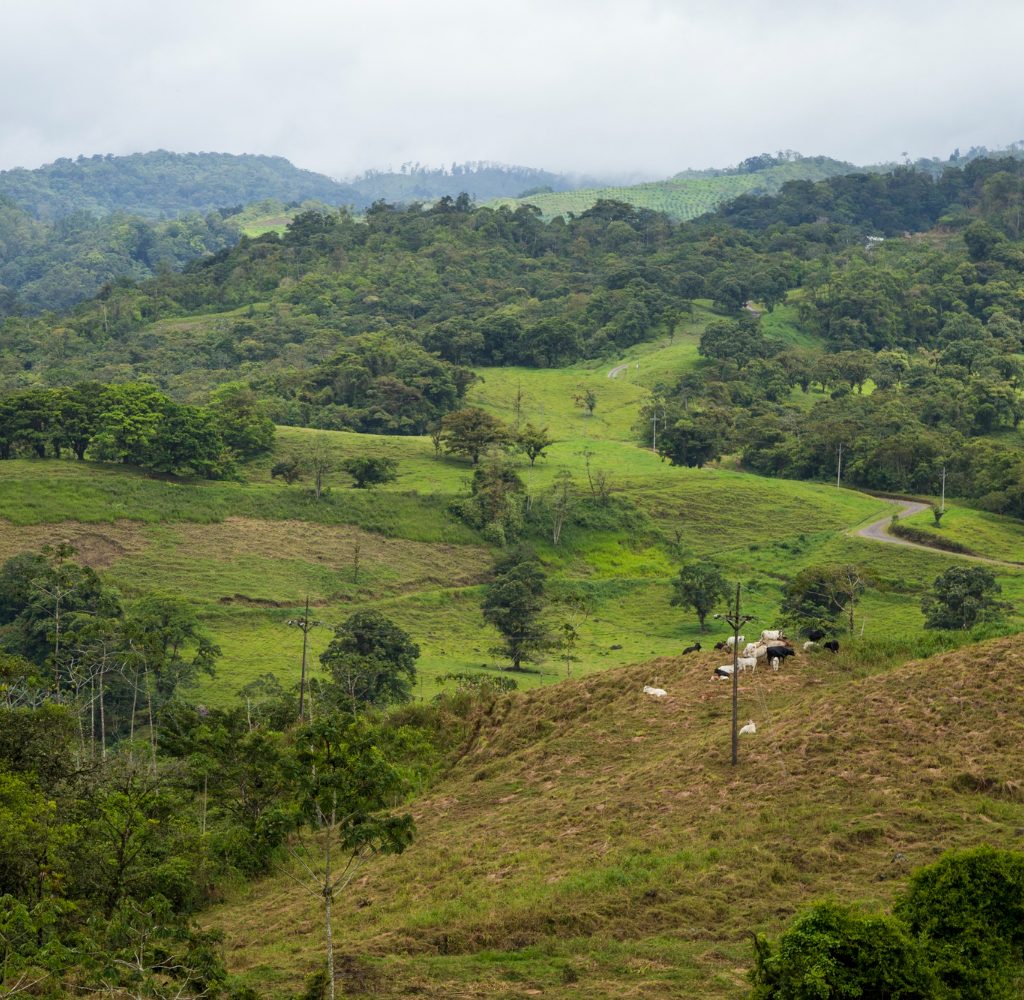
(136, 424)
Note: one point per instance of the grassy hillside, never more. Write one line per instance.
(689, 194)
(592, 841)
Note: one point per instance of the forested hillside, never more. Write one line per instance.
(160, 184)
(481, 181)
(54, 265)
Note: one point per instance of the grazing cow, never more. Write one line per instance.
(655, 692)
(695, 648)
(832, 646)
(815, 635)
(781, 651)
(771, 635)
(809, 645)
(733, 638)
(746, 662)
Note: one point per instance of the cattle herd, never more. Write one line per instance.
(773, 648)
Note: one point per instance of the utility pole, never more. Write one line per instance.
(737, 621)
(942, 508)
(839, 465)
(654, 436)
(304, 623)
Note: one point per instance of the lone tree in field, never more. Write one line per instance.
(699, 586)
(346, 788)
(962, 597)
(586, 399)
(514, 603)
(366, 471)
(817, 597)
(533, 442)
(472, 431)
(371, 660)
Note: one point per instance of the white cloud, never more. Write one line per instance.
(585, 85)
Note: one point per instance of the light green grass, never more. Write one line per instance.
(987, 534)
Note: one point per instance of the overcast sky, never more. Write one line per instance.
(591, 86)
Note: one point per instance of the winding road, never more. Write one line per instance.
(618, 370)
(877, 531)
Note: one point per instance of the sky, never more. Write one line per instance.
(611, 88)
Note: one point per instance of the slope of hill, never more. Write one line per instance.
(590, 840)
(161, 184)
(55, 265)
(694, 192)
(481, 181)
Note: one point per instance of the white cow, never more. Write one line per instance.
(655, 692)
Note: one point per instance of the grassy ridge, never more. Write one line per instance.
(594, 841)
(687, 195)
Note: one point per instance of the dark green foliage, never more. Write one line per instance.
(371, 661)
(692, 439)
(962, 597)
(699, 586)
(956, 933)
(52, 265)
(159, 184)
(514, 603)
(368, 472)
(134, 423)
(968, 908)
(496, 503)
(833, 951)
(815, 599)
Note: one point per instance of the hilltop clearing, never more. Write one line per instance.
(592, 840)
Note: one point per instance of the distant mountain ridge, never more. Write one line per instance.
(161, 184)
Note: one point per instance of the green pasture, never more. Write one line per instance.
(988, 535)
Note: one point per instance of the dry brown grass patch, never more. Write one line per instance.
(98, 546)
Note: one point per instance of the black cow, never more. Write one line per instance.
(695, 648)
(780, 651)
(815, 635)
(832, 646)
(720, 645)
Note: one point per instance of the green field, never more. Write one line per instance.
(686, 195)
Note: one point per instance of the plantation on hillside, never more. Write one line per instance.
(692, 193)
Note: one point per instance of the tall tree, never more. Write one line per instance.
(514, 604)
(346, 790)
(699, 586)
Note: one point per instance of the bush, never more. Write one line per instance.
(968, 908)
(834, 951)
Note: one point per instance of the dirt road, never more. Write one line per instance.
(618, 370)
